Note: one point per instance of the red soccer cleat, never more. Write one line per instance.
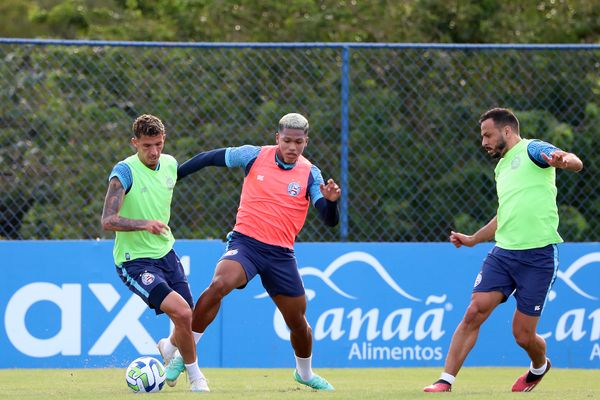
(438, 387)
(521, 385)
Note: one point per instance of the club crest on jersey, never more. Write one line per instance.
(147, 278)
(516, 162)
(294, 189)
(477, 280)
(170, 183)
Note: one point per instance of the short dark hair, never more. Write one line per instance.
(147, 125)
(501, 117)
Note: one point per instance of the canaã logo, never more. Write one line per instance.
(371, 331)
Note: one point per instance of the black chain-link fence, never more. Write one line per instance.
(413, 167)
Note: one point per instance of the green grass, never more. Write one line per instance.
(231, 384)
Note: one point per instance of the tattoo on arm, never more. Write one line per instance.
(112, 204)
(114, 199)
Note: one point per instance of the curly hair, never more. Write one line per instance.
(147, 125)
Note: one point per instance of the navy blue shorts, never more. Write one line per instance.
(153, 279)
(276, 265)
(529, 274)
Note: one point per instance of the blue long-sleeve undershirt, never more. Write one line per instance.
(205, 159)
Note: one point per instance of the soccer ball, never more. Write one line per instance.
(145, 375)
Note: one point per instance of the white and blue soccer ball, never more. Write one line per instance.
(145, 375)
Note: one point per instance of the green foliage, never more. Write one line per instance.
(484, 21)
(15, 20)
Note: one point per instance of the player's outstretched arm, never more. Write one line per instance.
(111, 221)
(564, 160)
(205, 159)
(485, 234)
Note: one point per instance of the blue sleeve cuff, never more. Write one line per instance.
(535, 148)
(314, 184)
(122, 171)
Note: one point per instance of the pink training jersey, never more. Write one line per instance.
(274, 204)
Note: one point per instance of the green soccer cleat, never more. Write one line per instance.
(174, 369)
(316, 382)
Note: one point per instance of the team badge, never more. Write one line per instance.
(477, 280)
(294, 189)
(147, 278)
(516, 162)
(170, 183)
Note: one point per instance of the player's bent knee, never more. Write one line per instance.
(219, 288)
(182, 316)
(474, 316)
(298, 325)
(525, 340)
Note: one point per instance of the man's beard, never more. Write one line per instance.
(499, 149)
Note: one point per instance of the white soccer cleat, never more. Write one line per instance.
(199, 385)
(167, 356)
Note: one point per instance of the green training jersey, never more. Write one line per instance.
(148, 198)
(527, 211)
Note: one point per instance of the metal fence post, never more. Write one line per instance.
(344, 141)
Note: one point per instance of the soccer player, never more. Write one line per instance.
(278, 188)
(524, 260)
(138, 207)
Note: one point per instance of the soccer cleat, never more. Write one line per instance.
(521, 385)
(174, 369)
(199, 385)
(438, 387)
(316, 382)
(167, 357)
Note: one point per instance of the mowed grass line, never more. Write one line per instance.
(231, 384)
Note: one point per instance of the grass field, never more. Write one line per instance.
(231, 384)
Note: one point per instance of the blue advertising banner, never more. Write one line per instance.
(370, 305)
